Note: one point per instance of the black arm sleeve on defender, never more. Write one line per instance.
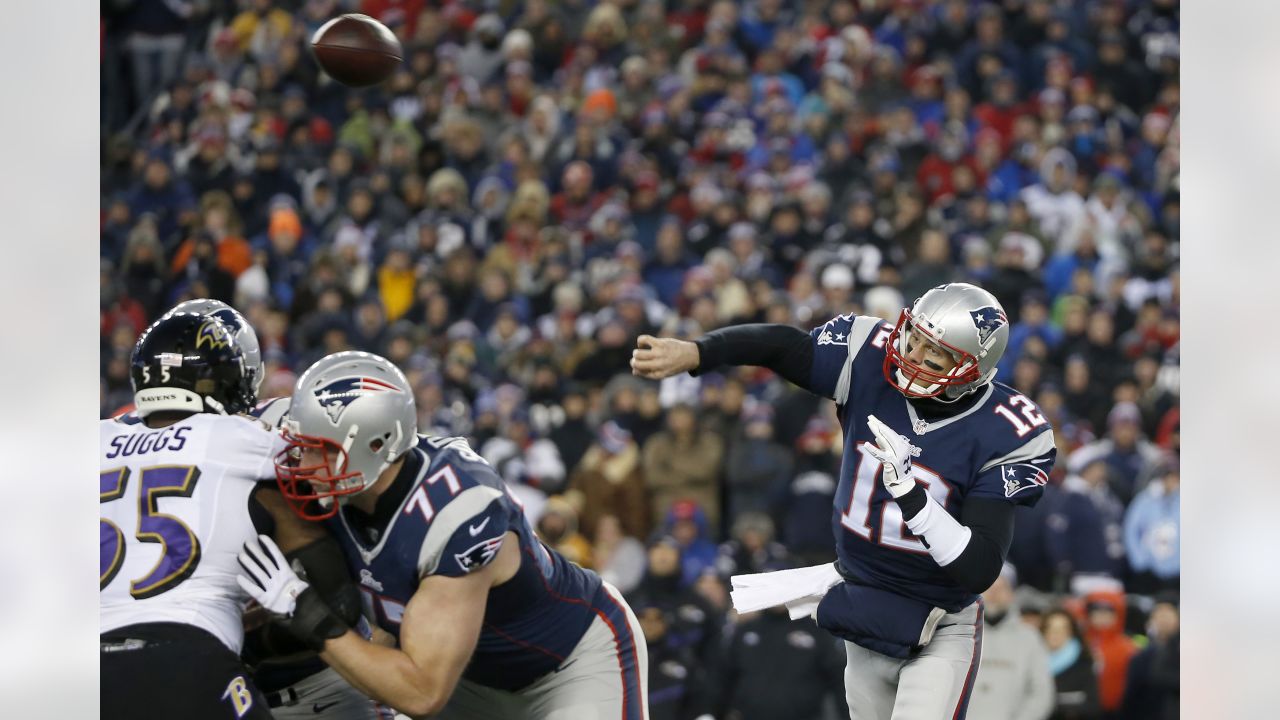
(261, 518)
(783, 349)
(327, 573)
(990, 524)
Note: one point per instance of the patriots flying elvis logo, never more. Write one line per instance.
(339, 394)
(1022, 477)
(988, 320)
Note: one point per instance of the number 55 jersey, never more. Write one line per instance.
(174, 514)
(994, 445)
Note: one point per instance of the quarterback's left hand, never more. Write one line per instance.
(267, 577)
(894, 452)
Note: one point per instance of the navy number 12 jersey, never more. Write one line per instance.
(1000, 448)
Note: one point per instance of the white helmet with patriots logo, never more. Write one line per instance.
(352, 414)
(964, 320)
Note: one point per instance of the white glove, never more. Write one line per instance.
(268, 578)
(894, 452)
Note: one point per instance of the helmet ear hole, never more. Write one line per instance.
(376, 444)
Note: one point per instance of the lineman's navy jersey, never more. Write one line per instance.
(1002, 448)
(452, 513)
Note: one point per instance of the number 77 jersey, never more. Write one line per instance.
(998, 447)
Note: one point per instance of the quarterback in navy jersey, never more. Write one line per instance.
(489, 623)
(936, 457)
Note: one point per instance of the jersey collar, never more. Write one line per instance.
(386, 510)
(922, 426)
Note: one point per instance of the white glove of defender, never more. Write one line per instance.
(894, 452)
(267, 577)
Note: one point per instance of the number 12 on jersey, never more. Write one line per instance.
(893, 529)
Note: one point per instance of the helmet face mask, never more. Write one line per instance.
(915, 380)
(310, 489)
(351, 416)
(961, 319)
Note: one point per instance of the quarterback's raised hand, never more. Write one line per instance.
(658, 358)
(268, 579)
(894, 452)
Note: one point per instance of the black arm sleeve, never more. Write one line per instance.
(261, 518)
(783, 349)
(990, 523)
(327, 572)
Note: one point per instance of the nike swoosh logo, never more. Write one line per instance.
(475, 529)
(318, 708)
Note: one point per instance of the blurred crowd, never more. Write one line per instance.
(542, 181)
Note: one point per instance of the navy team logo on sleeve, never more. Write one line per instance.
(988, 320)
(1022, 477)
(339, 394)
(480, 554)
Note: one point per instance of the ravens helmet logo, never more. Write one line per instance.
(214, 334)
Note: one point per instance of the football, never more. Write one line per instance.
(356, 50)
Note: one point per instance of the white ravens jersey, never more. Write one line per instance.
(174, 515)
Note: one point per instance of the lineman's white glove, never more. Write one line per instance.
(894, 452)
(268, 578)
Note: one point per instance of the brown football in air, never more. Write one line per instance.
(357, 50)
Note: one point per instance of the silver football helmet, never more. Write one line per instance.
(244, 335)
(965, 321)
(352, 414)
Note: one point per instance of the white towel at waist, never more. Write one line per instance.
(800, 590)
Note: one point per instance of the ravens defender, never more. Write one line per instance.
(295, 683)
(936, 458)
(489, 622)
(188, 466)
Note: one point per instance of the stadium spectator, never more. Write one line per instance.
(683, 462)
(1085, 535)
(1152, 535)
(1151, 692)
(752, 546)
(774, 668)
(1127, 456)
(1071, 663)
(558, 527)
(1013, 678)
(757, 468)
(679, 686)
(609, 481)
(687, 524)
(1111, 648)
(619, 558)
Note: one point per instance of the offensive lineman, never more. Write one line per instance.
(490, 622)
(954, 452)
